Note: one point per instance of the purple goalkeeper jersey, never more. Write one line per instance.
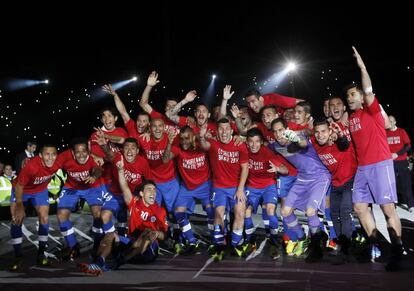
(306, 160)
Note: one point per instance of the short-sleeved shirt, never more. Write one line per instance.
(259, 163)
(397, 139)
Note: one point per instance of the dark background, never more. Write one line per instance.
(78, 47)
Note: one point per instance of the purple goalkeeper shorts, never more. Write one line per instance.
(375, 184)
(306, 194)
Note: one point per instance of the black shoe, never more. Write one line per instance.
(72, 253)
(394, 263)
(43, 261)
(17, 265)
(315, 249)
(275, 252)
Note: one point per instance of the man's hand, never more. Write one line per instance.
(146, 136)
(273, 168)
(120, 164)
(394, 156)
(191, 121)
(19, 214)
(359, 60)
(100, 138)
(227, 92)
(153, 79)
(191, 95)
(240, 196)
(109, 89)
(89, 180)
(171, 135)
(235, 111)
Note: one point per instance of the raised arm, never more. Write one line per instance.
(118, 102)
(168, 155)
(102, 141)
(151, 82)
(205, 145)
(226, 96)
(172, 114)
(122, 181)
(236, 115)
(365, 79)
(295, 138)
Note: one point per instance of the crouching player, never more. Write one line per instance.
(147, 225)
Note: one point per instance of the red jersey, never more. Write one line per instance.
(345, 131)
(153, 152)
(259, 177)
(298, 127)
(131, 127)
(97, 150)
(193, 166)
(368, 133)
(397, 139)
(77, 173)
(341, 165)
(134, 173)
(279, 100)
(267, 134)
(35, 176)
(225, 162)
(142, 217)
(211, 126)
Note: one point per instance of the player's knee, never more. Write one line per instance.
(360, 209)
(285, 211)
(310, 212)
(270, 209)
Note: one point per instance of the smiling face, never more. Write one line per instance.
(244, 116)
(148, 194)
(278, 131)
(254, 143)
(301, 117)
(201, 115)
(225, 133)
(130, 151)
(48, 156)
(322, 133)
(108, 120)
(187, 140)
(354, 98)
(81, 153)
(142, 123)
(157, 128)
(255, 103)
(336, 108)
(268, 115)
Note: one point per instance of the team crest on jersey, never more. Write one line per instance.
(153, 218)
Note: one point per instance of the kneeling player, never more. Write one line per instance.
(147, 225)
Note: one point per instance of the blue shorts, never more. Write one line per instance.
(224, 197)
(37, 199)
(69, 197)
(114, 203)
(186, 197)
(284, 183)
(167, 192)
(146, 257)
(264, 195)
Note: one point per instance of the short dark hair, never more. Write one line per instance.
(171, 99)
(145, 183)
(279, 120)
(131, 140)
(31, 143)
(141, 113)
(336, 97)
(268, 107)
(110, 109)
(253, 91)
(254, 132)
(306, 106)
(223, 120)
(353, 85)
(185, 129)
(201, 104)
(47, 145)
(78, 140)
(320, 122)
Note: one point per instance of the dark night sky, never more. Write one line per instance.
(75, 47)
